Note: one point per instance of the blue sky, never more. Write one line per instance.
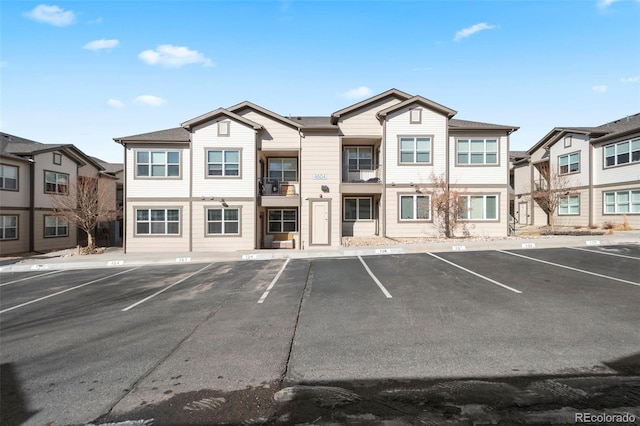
(84, 72)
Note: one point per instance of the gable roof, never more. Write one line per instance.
(455, 124)
(264, 111)
(315, 122)
(176, 134)
(620, 127)
(427, 103)
(402, 96)
(216, 113)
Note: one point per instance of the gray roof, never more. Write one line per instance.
(316, 122)
(456, 124)
(421, 101)
(518, 154)
(111, 168)
(176, 134)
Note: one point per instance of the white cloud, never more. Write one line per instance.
(174, 56)
(96, 45)
(630, 79)
(600, 89)
(53, 15)
(114, 103)
(357, 93)
(606, 3)
(149, 100)
(466, 32)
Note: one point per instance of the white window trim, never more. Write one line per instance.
(357, 218)
(615, 202)
(224, 163)
(569, 163)
(414, 217)
(166, 222)
(282, 221)
(222, 221)
(615, 153)
(56, 182)
(224, 128)
(4, 227)
(150, 164)
(61, 222)
(281, 161)
(3, 178)
(484, 208)
(415, 150)
(358, 159)
(484, 152)
(567, 200)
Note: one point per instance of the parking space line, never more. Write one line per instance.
(375, 279)
(570, 268)
(604, 252)
(65, 291)
(28, 278)
(273, 282)
(477, 274)
(165, 289)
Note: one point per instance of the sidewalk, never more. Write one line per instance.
(115, 257)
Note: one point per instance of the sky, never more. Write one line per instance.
(85, 72)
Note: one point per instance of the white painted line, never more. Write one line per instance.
(28, 278)
(570, 268)
(65, 291)
(375, 279)
(273, 282)
(604, 252)
(165, 289)
(476, 274)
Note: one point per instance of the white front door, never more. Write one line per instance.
(320, 222)
(523, 213)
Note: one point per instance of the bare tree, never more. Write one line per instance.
(89, 202)
(447, 205)
(549, 190)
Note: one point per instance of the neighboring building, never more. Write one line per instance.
(31, 173)
(600, 167)
(244, 177)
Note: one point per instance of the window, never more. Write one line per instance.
(8, 177)
(477, 151)
(223, 221)
(415, 207)
(619, 202)
(359, 157)
(158, 163)
(8, 227)
(357, 209)
(283, 220)
(569, 163)
(622, 153)
(223, 162)
(283, 169)
(569, 205)
(223, 128)
(415, 150)
(415, 116)
(56, 183)
(157, 221)
(480, 207)
(55, 227)
(57, 158)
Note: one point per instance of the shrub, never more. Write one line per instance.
(608, 225)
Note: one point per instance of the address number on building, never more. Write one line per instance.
(319, 176)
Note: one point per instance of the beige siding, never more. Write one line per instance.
(398, 124)
(611, 175)
(20, 245)
(320, 158)
(244, 241)
(479, 174)
(360, 228)
(276, 135)
(157, 187)
(522, 177)
(19, 198)
(579, 144)
(575, 220)
(598, 206)
(44, 162)
(240, 137)
(401, 229)
(493, 228)
(158, 243)
(363, 122)
(51, 243)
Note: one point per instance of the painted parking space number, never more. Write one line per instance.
(459, 248)
(528, 245)
(593, 242)
(183, 259)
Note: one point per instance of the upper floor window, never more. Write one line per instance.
(283, 169)
(56, 183)
(223, 221)
(622, 153)
(223, 162)
(619, 202)
(357, 209)
(415, 150)
(480, 207)
(359, 157)
(569, 205)
(569, 163)
(415, 207)
(477, 151)
(55, 226)
(8, 227)
(157, 221)
(8, 177)
(158, 163)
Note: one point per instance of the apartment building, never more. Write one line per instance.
(32, 174)
(244, 177)
(596, 170)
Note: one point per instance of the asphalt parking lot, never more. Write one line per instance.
(132, 342)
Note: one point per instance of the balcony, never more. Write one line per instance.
(362, 181)
(274, 193)
(540, 185)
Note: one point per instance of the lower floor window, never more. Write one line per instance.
(56, 226)
(415, 207)
(9, 227)
(569, 205)
(622, 202)
(223, 221)
(283, 220)
(480, 207)
(357, 209)
(157, 221)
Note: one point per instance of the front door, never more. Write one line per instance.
(523, 213)
(320, 222)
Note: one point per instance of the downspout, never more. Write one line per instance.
(32, 200)
(383, 169)
(508, 186)
(300, 136)
(532, 209)
(124, 196)
(591, 155)
(190, 194)
(447, 178)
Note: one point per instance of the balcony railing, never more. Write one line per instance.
(361, 176)
(540, 185)
(270, 187)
